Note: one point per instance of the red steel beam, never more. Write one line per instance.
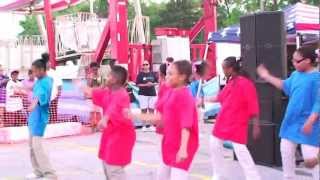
(50, 33)
(103, 43)
(117, 31)
(196, 29)
(16, 5)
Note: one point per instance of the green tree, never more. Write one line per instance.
(29, 26)
(180, 13)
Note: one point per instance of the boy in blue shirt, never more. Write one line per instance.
(301, 121)
(38, 121)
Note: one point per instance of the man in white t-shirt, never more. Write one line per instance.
(13, 102)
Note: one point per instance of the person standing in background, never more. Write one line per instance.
(3, 78)
(13, 86)
(169, 61)
(28, 84)
(14, 104)
(146, 81)
(3, 82)
(94, 79)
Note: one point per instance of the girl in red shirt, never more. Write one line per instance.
(118, 135)
(239, 105)
(178, 115)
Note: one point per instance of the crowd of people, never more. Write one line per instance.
(171, 103)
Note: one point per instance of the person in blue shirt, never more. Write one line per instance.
(200, 69)
(38, 120)
(301, 122)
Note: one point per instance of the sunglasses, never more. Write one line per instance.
(298, 61)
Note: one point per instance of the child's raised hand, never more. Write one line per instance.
(263, 72)
(181, 155)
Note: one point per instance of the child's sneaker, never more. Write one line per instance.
(144, 129)
(33, 176)
(152, 128)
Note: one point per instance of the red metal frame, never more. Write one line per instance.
(50, 33)
(115, 30)
(208, 23)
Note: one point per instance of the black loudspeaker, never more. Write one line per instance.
(271, 42)
(263, 150)
(263, 42)
(248, 44)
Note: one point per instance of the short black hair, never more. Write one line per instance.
(163, 69)
(42, 62)
(308, 52)
(14, 72)
(170, 59)
(120, 73)
(45, 56)
(184, 67)
(94, 64)
(112, 62)
(201, 67)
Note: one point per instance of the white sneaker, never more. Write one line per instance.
(32, 176)
(144, 129)
(152, 128)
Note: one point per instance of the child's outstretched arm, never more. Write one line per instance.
(264, 73)
(84, 88)
(183, 151)
(151, 118)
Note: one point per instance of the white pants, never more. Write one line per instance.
(147, 102)
(114, 172)
(39, 159)
(288, 150)
(170, 173)
(243, 155)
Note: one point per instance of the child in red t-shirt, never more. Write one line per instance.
(239, 106)
(178, 116)
(118, 134)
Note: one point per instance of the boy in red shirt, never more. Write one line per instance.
(178, 114)
(118, 134)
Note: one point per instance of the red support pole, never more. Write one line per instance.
(210, 24)
(117, 31)
(50, 33)
(103, 43)
(120, 39)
